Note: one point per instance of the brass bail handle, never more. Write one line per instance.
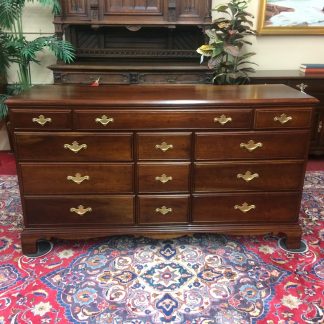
(163, 210)
(282, 119)
(222, 119)
(75, 147)
(251, 145)
(80, 210)
(78, 178)
(245, 207)
(42, 120)
(164, 146)
(247, 176)
(164, 178)
(104, 120)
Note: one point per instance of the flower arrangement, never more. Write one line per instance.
(227, 40)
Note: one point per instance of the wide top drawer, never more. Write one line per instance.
(49, 119)
(162, 119)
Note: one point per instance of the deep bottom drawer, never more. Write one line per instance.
(79, 210)
(163, 209)
(244, 208)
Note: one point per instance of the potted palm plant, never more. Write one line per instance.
(15, 48)
(227, 36)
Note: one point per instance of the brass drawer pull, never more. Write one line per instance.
(222, 119)
(163, 178)
(41, 120)
(302, 86)
(104, 120)
(75, 146)
(164, 146)
(248, 176)
(81, 210)
(163, 210)
(320, 126)
(283, 118)
(245, 207)
(78, 178)
(251, 145)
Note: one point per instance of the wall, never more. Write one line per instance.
(273, 52)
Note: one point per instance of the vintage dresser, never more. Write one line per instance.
(160, 160)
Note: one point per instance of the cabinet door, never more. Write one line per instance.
(193, 9)
(78, 9)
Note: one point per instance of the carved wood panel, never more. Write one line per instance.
(190, 8)
(133, 6)
(76, 7)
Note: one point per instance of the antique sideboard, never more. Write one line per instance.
(160, 160)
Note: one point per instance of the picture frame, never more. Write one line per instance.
(291, 17)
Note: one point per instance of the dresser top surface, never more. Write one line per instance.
(161, 95)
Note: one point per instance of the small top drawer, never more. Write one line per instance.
(41, 119)
(283, 118)
(154, 119)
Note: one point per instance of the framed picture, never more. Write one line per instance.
(295, 17)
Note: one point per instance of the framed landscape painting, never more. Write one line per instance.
(298, 17)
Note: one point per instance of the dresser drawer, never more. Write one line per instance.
(46, 119)
(60, 147)
(163, 177)
(248, 176)
(163, 146)
(163, 209)
(51, 178)
(79, 211)
(283, 118)
(159, 119)
(252, 145)
(246, 208)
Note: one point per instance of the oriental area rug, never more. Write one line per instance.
(200, 279)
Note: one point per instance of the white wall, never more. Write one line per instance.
(274, 52)
(284, 52)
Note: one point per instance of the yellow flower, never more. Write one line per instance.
(205, 50)
(223, 25)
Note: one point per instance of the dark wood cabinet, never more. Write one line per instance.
(138, 41)
(134, 12)
(312, 84)
(160, 160)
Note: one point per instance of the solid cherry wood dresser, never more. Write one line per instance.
(160, 160)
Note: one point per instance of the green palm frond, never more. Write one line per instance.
(31, 48)
(9, 51)
(3, 106)
(63, 50)
(10, 12)
(55, 4)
